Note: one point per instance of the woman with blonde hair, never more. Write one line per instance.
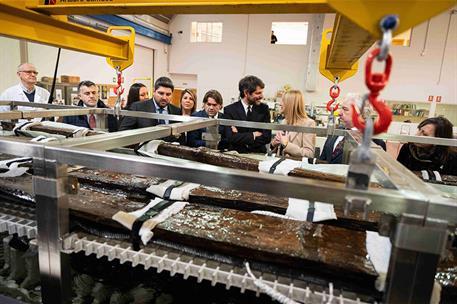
(294, 144)
(188, 102)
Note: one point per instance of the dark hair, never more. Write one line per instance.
(191, 93)
(214, 94)
(85, 83)
(164, 82)
(134, 94)
(443, 129)
(249, 83)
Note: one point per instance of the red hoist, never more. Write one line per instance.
(334, 93)
(377, 81)
(362, 160)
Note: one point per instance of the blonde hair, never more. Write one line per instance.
(294, 107)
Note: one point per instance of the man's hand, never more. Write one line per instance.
(234, 130)
(256, 134)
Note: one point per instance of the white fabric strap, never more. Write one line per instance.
(282, 169)
(127, 219)
(180, 193)
(437, 176)
(25, 125)
(298, 209)
(425, 175)
(13, 166)
(43, 139)
(151, 147)
(378, 248)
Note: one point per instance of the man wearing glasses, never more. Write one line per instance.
(26, 90)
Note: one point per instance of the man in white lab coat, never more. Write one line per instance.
(26, 90)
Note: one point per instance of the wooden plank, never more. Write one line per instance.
(318, 250)
(211, 157)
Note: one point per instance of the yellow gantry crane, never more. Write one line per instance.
(355, 30)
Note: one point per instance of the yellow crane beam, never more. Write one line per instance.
(349, 42)
(133, 7)
(18, 22)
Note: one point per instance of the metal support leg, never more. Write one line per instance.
(101, 121)
(416, 250)
(49, 183)
(211, 136)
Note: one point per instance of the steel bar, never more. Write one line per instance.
(118, 139)
(49, 184)
(389, 201)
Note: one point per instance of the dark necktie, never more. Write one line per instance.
(338, 149)
(161, 121)
(249, 113)
(92, 123)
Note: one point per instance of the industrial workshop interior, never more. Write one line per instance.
(234, 152)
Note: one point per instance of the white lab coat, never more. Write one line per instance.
(16, 93)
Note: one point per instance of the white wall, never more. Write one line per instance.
(10, 58)
(245, 49)
(87, 66)
(414, 77)
(95, 68)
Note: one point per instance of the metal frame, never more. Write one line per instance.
(431, 211)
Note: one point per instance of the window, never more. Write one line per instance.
(403, 39)
(206, 32)
(289, 33)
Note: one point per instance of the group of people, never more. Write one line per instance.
(249, 107)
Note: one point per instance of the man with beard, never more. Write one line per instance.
(159, 103)
(248, 108)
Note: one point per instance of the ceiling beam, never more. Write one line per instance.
(26, 24)
(136, 7)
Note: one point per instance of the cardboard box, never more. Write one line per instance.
(48, 79)
(70, 79)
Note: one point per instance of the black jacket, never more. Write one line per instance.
(243, 141)
(81, 120)
(337, 158)
(433, 163)
(129, 122)
(194, 138)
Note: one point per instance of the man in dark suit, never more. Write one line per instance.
(248, 108)
(332, 152)
(88, 95)
(159, 103)
(212, 104)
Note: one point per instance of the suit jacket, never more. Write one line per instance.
(300, 144)
(194, 138)
(129, 122)
(243, 140)
(81, 120)
(337, 158)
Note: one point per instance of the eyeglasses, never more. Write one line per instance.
(30, 72)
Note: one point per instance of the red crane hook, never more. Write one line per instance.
(375, 83)
(118, 90)
(334, 93)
